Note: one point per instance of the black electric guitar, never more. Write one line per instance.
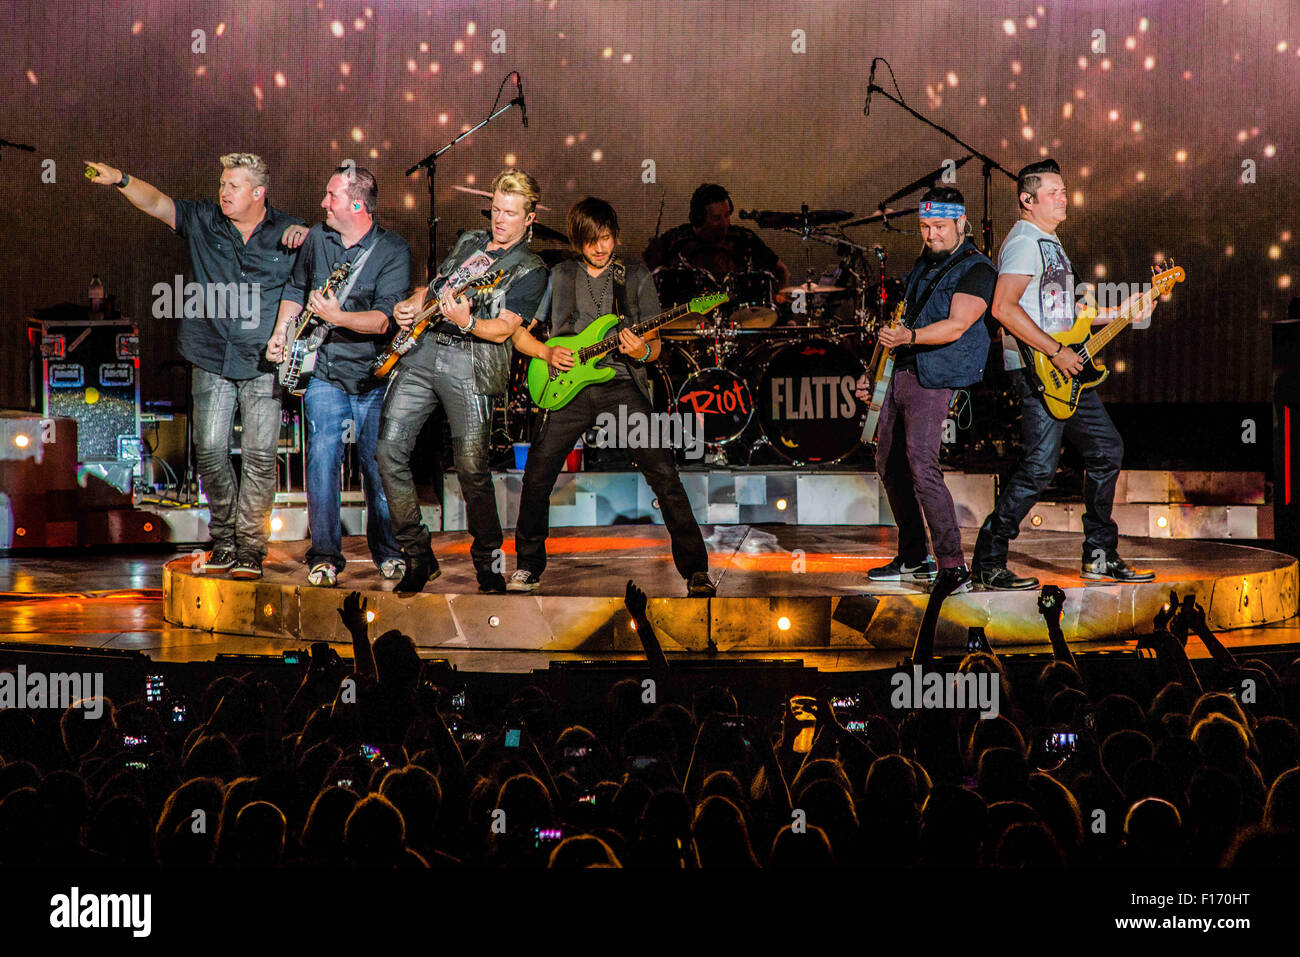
(310, 330)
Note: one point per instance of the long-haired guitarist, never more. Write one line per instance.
(1034, 298)
(342, 399)
(583, 290)
(461, 364)
(941, 346)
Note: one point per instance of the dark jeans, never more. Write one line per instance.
(335, 419)
(555, 440)
(430, 375)
(240, 508)
(1092, 432)
(907, 459)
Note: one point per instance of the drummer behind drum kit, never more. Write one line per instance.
(790, 358)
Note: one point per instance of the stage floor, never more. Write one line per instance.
(783, 591)
(803, 574)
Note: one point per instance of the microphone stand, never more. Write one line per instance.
(990, 164)
(430, 163)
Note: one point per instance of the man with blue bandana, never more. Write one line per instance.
(941, 346)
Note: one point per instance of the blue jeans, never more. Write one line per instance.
(240, 508)
(1092, 432)
(334, 419)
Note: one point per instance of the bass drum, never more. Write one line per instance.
(722, 401)
(805, 399)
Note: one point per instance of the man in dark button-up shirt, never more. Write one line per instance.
(237, 255)
(343, 400)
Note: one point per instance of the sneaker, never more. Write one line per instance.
(392, 568)
(247, 569)
(897, 571)
(419, 572)
(1116, 570)
(523, 581)
(491, 583)
(323, 573)
(701, 585)
(1002, 579)
(952, 581)
(219, 559)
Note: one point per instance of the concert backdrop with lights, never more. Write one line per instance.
(1173, 121)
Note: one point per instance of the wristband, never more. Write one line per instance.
(473, 321)
(1059, 347)
(124, 182)
(913, 342)
(646, 357)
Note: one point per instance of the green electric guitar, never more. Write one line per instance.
(551, 389)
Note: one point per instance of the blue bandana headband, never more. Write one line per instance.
(931, 210)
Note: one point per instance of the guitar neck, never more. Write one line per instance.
(1123, 320)
(609, 343)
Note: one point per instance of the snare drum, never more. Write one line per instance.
(721, 399)
(805, 399)
(752, 299)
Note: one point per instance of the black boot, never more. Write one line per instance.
(419, 572)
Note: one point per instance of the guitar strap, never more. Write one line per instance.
(619, 272)
(953, 260)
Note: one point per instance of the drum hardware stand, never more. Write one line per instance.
(430, 165)
(989, 163)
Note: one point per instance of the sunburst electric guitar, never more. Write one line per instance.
(882, 370)
(1061, 393)
(551, 389)
(405, 340)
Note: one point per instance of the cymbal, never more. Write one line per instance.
(540, 230)
(482, 192)
(811, 289)
(813, 217)
(881, 216)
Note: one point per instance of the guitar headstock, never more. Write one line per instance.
(337, 277)
(703, 304)
(483, 283)
(1166, 275)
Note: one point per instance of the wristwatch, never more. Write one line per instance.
(124, 181)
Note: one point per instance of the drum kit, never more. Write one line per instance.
(774, 369)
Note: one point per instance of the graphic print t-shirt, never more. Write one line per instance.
(1049, 297)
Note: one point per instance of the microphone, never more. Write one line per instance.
(871, 85)
(519, 90)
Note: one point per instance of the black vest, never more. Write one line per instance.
(491, 359)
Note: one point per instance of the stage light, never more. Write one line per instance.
(370, 616)
(20, 531)
(494, 621)
(268, 609)
(21, 440)
(783, 623)
(1036, 521)
(633, 624)
(1162, 522)
(277, 524)
(781, 504)
(148, 526)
